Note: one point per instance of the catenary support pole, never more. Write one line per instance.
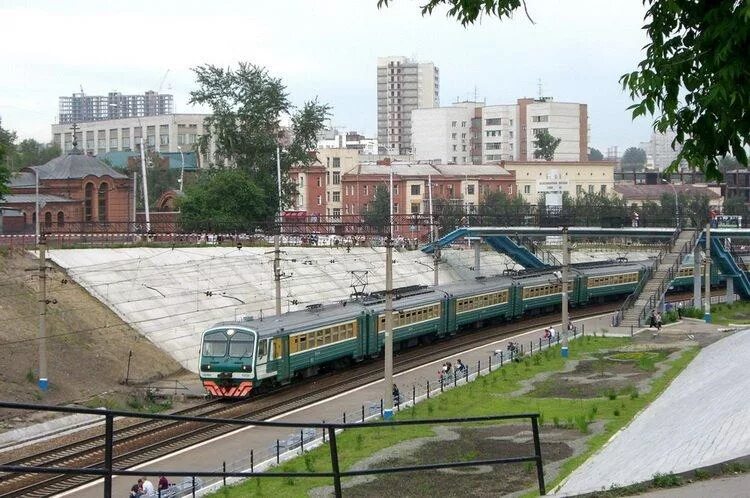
(697, 277)
(707, 277)
(144, 182)
(477, 259)
(564, 292)
(277, 237)
(388, 336)
(433, 237)
(43, 381)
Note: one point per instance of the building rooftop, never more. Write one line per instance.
(417, 169)
(71, 166)
(655, 192)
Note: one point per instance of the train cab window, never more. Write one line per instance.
(215, 344)
(241, 346)
(262, 349)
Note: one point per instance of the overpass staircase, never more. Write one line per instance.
(637, 307)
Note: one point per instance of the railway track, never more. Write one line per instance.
(140, 442)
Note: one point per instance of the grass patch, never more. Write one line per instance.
(482, 399)
(737, 312)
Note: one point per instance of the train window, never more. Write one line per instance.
(214, 344)
(241, 346)
(262, 348)
(276, 348)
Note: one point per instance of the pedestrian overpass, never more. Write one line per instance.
(502, 240)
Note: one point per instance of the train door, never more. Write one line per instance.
(449, 314)
(262, 359)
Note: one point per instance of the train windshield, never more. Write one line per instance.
(241, 346)
(215, 344)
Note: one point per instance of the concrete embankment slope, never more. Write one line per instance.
(701, 419)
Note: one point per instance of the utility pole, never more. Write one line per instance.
(434, 236)
(43, 382)
(277, 237)
(388, 336)
(707, 305)
(564, 296)
(144, 182)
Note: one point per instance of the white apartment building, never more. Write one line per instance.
(402, 86)
(163, 133)
(499, 132)
(332, 138)
(659, 150)
(444, 135)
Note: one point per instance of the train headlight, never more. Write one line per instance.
(246, 368)
(205, 367)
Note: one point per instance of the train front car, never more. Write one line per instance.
(227, 362)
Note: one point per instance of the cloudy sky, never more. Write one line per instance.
(324, 48)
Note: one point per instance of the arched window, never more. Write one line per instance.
(48, 219)
(60, 219)
(33, 218)
(102, 205)
(88, 202)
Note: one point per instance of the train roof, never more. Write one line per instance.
(320, 315)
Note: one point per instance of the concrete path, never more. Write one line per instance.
(726, 487)
(700, 420)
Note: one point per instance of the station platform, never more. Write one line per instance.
(700, 420)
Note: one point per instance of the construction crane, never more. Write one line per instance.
(162, 81)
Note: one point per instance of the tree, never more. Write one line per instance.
(499, 208)
(247, 105)
(694, 78)
(545, 146)
(223, 199)
(6, 143)
(447, 215)
(595, 155)
(378, 212)
(737, 206)
(32, 153)
(634, 159)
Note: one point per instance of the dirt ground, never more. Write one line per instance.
(464, 444)
(87, 346)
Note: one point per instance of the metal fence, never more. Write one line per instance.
(308, 435)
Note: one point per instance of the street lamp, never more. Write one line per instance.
(182, 170)
(676, 203)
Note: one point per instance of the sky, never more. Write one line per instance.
(328, 49)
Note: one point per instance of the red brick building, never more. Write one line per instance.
(354, 187)
(74, 190)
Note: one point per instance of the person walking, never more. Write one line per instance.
(652, 320)
(658, 322)
(679, 310)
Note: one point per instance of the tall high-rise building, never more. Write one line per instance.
(81, 108)
(403, 85)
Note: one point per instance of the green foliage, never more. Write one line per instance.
(378, 212)
(633, 159)
(447, 215)
(30, 376)
(695, 74)
(595, 155)
(736, 205)
(247, 105)
(693, 77)
(666, 480)
(545, 146)
(701, 475)
(227, 198)
(500, 209)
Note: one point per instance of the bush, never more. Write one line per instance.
(666, 480)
